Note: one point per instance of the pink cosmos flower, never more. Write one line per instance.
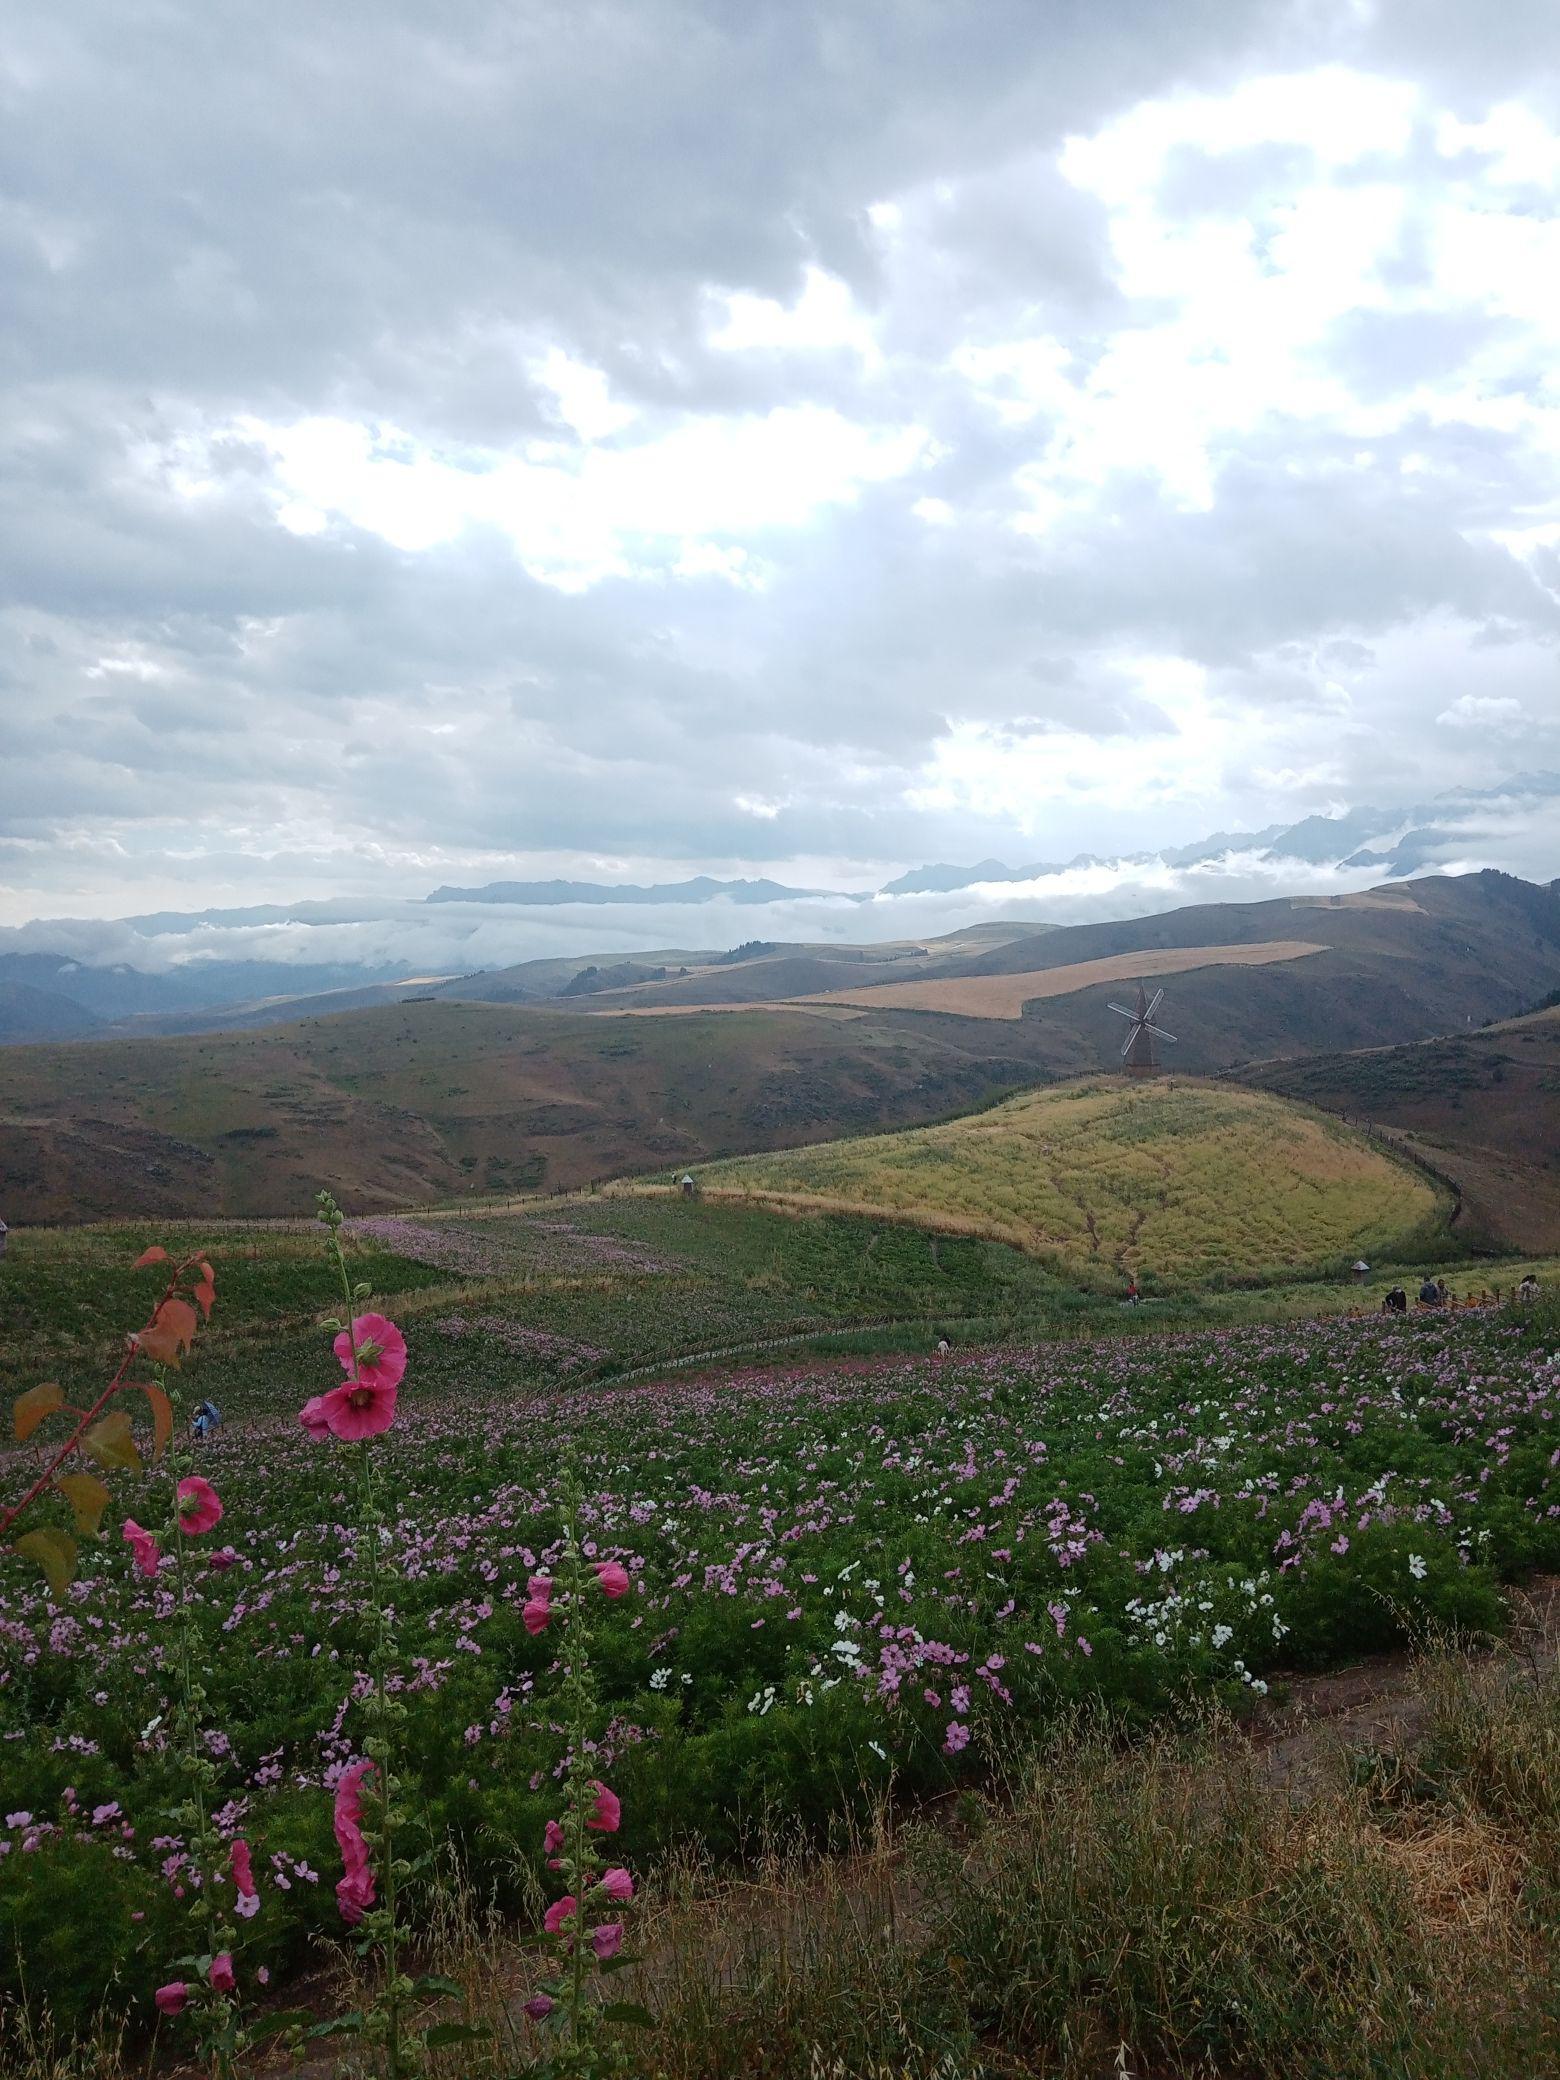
(360, 1408)
(373, 1352)
(148, 1555)
(199, 1508)
(607, 1940)
(539, 2007)
(221, 1973)
(355, 1888)
(171, 1998)
(958, 1737)
(617, 1885)
(248, 1902)
(608, 1813)
(312, 1417)
(559, 1912)
(613, 1577)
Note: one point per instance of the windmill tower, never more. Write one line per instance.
(1139, 1056)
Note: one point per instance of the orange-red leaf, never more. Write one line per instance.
(111, 1441)
(29, 1409)
(205, 1293)
(170, 1332)
(206, 1272)
(162, 1419)
(88, 1498)
(55, 1553)
(155, 1255)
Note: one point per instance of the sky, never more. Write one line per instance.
(629, 438)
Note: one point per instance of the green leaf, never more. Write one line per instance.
(442, 2033)
(55, 1552)
(431, 1982)
(29, 1409)
(111, 1443)
(88, 1498)
(273, 2025)
(339, 2026)
(629, 2012)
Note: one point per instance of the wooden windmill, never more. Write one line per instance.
(1139, 1056)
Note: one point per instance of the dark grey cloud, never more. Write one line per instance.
(219, 226)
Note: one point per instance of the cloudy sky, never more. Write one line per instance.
(634, 437)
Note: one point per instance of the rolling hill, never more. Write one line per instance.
(433, 1096)
(1483, 1107)
(1194, 1180)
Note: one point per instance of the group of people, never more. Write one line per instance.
(1433, 1293)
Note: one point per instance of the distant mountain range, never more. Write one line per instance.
(701, 889)
(464, 940)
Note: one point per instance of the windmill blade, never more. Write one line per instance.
(1121, 1011)
(1158, 999)
(1128, 1044)
(1159, 1032)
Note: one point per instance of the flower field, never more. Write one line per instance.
(837, 1579)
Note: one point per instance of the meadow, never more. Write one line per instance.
(845, 1584)
(1195, 1181)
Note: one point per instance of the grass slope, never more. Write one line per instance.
(1483, 1106)
(1190, 1179)
(428, 1101)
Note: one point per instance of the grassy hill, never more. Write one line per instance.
(1484, 1107)
(412, 1102)
(1190, 1179)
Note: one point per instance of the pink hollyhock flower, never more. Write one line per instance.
(312, 1418)
(539, 2006)
(607, 1940)
(148, 1555)
(221, 1973)
(559, 1912)
(355, 1895)
(355, 1888)
(171, 1998)
(372, 1352)
(617, 1885)
(613, 1577)
(540, 1588)
(608, 1812)
(199, 1508)
(552, 1843)
(535, 1617)
(248, 1902)
(359, 1409)
(223, 1557)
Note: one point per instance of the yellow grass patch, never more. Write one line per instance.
(1004, 996)
(1187, 1178)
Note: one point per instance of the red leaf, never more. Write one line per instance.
(155, 1255)
(205, 1293)
(162, 1419)
(170, 1332)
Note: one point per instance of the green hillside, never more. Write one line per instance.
(1193, 1180)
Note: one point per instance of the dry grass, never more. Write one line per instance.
(1004, 996)
(1188, 1178)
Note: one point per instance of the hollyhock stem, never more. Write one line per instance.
(215, 2012)
(382, 1709)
